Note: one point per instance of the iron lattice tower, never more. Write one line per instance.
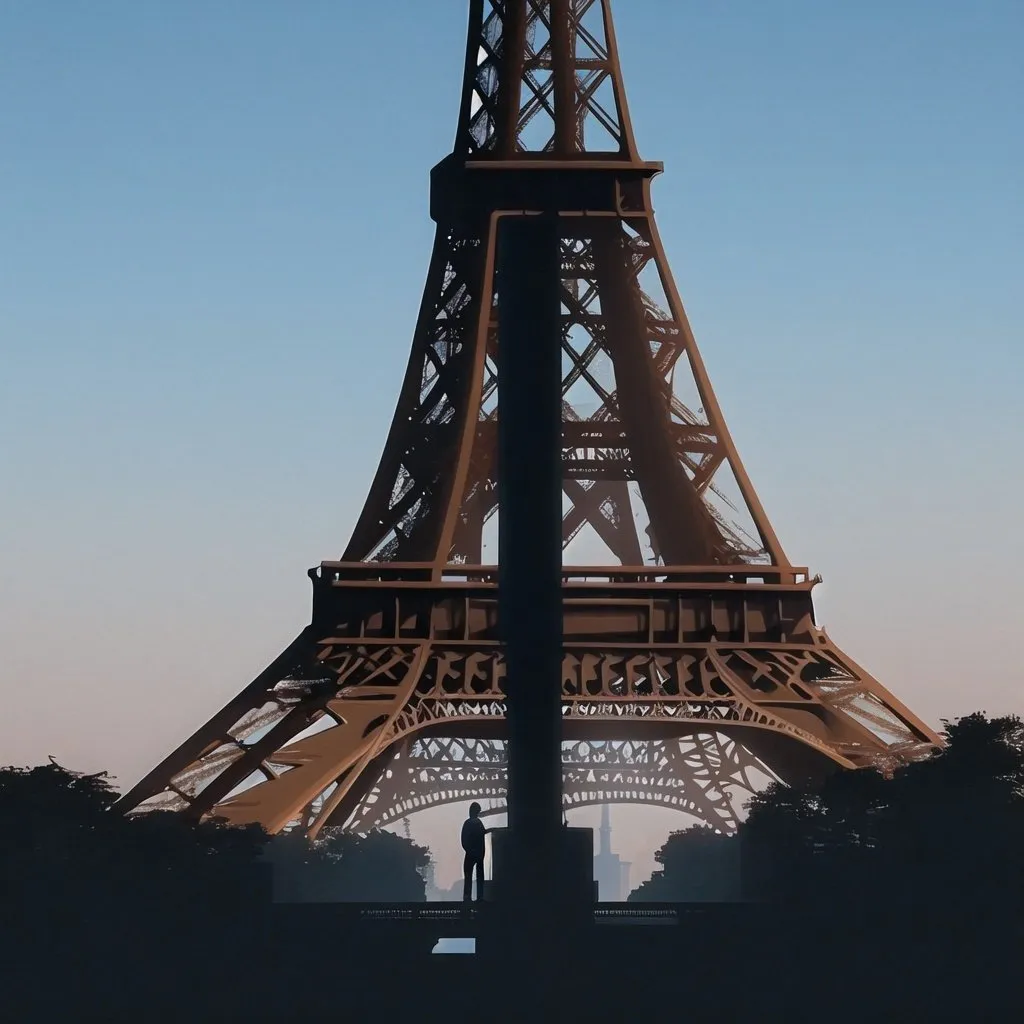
(685, 619)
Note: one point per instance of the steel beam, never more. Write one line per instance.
(530, 540)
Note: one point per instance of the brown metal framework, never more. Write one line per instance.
(693, 621)
(704, 775)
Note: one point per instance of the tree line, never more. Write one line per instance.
(865, 893)
(61, 832)
(153, 917)
(864, 897)
(948, 828)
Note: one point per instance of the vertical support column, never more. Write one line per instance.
(510, 80)
(530, 546)
(563, 59)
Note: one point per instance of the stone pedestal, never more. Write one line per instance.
(562, 877)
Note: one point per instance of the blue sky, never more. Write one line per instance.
(213, 239)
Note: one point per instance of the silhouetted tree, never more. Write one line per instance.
(55, 828)
(162, 897)
(950, 824)
(347, 867)
(76, 859)
(698, 865)
(948, 827)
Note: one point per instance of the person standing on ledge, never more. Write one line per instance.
(473, 833)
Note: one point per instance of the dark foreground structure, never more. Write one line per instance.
(726, 962)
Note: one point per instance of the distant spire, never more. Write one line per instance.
(605, 845)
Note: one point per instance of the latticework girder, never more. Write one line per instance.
(393, 656)
(705, 775)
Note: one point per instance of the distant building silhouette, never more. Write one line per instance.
(610, 871)
(452, 893)
(427, 871)
(428, 878)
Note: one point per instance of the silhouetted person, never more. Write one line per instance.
(473, 833)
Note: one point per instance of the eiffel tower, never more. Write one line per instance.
(684, 621)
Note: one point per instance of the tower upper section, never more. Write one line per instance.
(542, 80)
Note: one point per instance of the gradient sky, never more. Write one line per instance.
(213, 239)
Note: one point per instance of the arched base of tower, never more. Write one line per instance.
(706, 776)
(395, 655)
